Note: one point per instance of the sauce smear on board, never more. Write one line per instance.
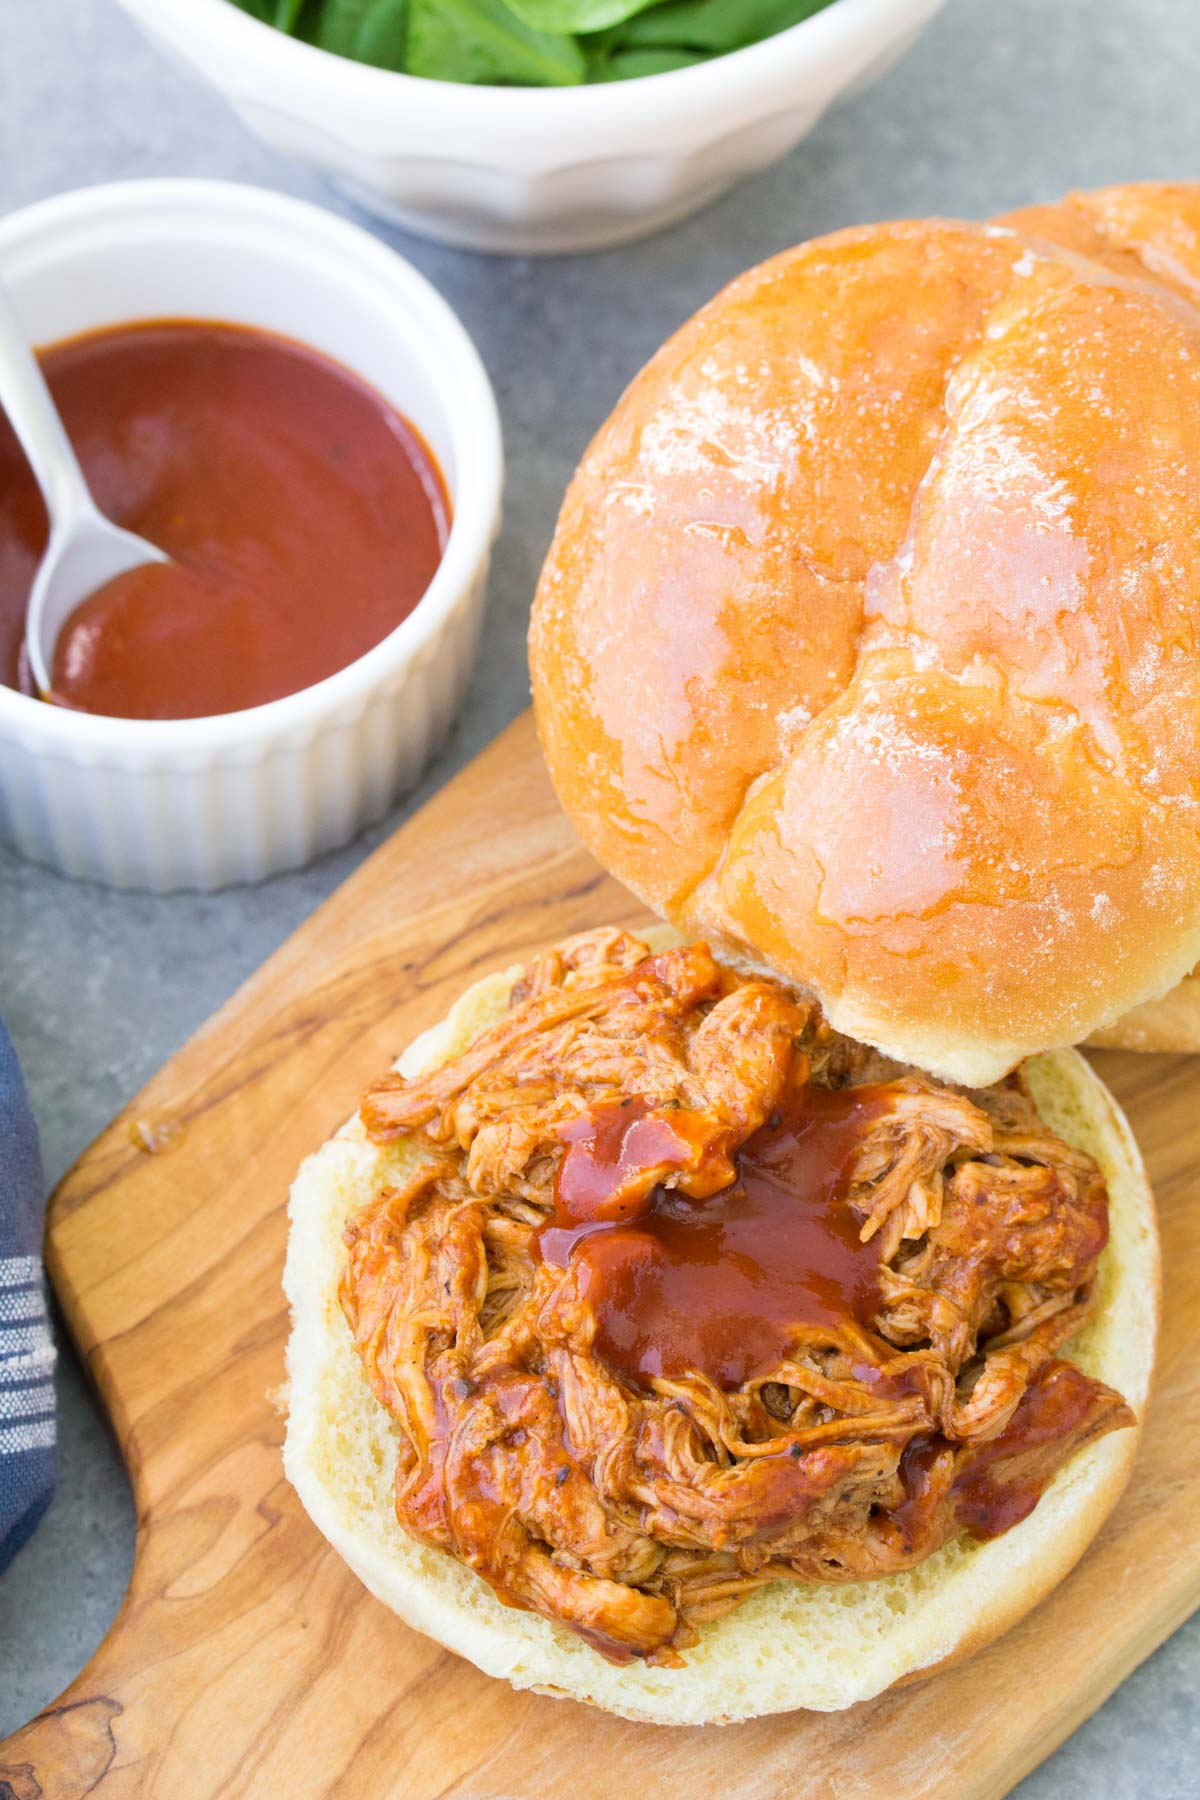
(304, 515)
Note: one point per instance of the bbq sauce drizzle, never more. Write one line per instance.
(725, 1285)
(722, 1286)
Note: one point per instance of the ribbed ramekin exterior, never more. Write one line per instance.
(208, 818)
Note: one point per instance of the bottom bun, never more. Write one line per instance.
(791, 1644)
(1169, 1024)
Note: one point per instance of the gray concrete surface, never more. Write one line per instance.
(1003, 102)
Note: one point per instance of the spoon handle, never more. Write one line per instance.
(34, 417)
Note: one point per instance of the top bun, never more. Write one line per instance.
(868, 645)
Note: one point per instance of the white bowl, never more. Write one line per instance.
(535, 170)
(203, 802)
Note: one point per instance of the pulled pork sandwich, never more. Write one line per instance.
(656, 1345)
(868, 646)
(665, 1334)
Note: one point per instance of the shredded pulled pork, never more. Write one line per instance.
(633, 1507)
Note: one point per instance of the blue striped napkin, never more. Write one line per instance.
(26, 1346)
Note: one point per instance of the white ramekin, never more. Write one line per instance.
(204, 802)
(535, 170)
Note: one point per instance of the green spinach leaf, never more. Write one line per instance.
(484, 41)
(531, 43)
(712, 26)
(576, 15)
(367, 31)
(627, 65)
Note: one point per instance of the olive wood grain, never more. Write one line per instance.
(246, 1660)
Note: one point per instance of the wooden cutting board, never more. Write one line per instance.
(246, 1660)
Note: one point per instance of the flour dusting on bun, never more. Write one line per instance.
(867, 648)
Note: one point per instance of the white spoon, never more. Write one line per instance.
(85, 549)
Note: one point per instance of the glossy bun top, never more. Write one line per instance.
(869, 641)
